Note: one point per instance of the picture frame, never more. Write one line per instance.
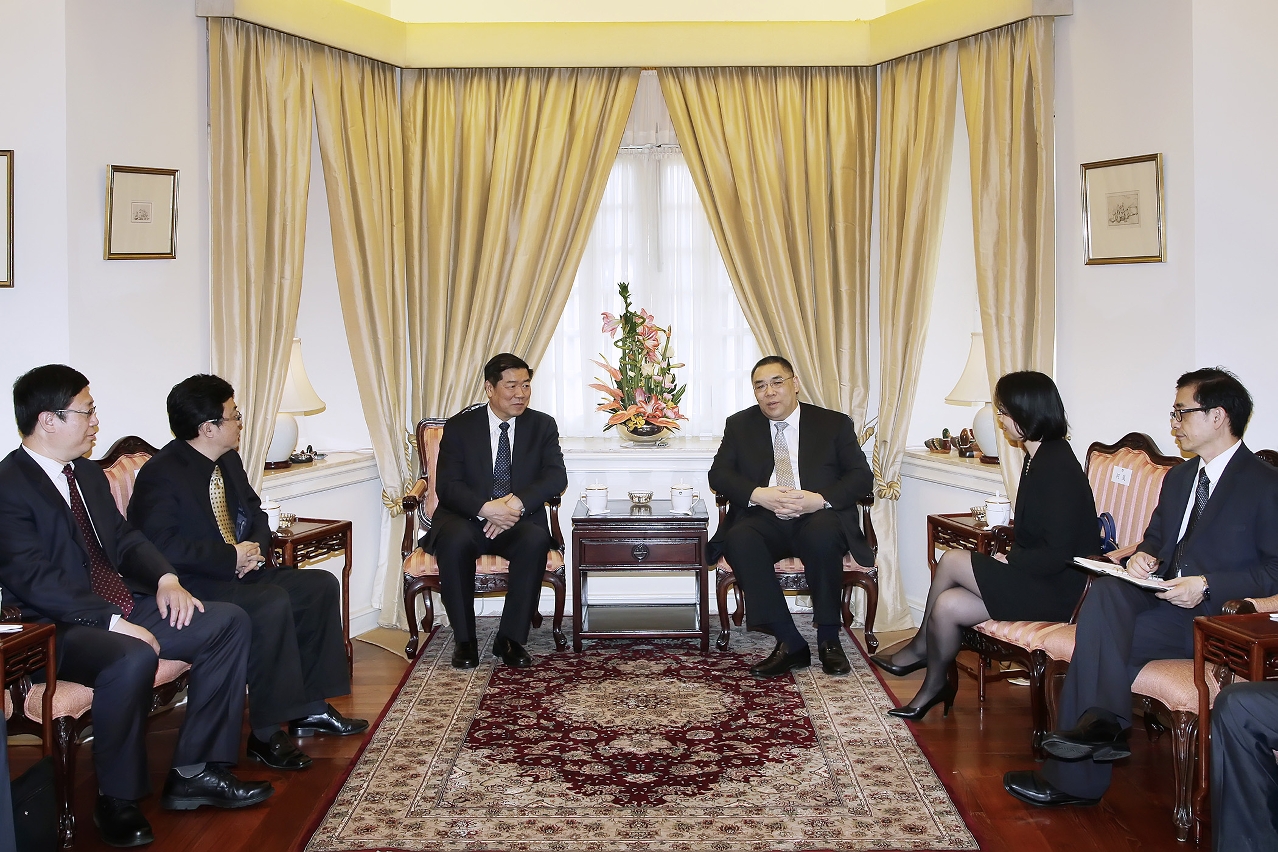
(6, 218)
(141, 213)
(1124, 220)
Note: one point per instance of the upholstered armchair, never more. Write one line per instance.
(790, 574)
(421, 571)
(72, 702)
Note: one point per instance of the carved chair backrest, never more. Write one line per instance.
(1126, 478)
(1270, 456)
(429, 432)
(121, 465)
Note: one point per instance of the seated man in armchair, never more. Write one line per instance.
(194, 500)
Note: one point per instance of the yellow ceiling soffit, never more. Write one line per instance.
(649, 43)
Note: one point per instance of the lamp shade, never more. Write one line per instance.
(973, 386)
(299, 396)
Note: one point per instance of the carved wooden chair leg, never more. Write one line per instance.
(1184, 753)
(556, 582)
(738, 614)
(64, 746)
(412, 585)
(723, 580)
(870, 584)
(1154, 729)
(1038, 701)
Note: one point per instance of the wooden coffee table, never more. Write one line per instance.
(631, 539)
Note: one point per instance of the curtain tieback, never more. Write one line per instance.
(887, 490)
(393, 504)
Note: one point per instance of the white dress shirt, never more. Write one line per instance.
(1214, 469)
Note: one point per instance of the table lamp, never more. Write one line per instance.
(973, 388)
(299, 398)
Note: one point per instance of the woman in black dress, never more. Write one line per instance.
(1035, 581)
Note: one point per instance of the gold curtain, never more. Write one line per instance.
(260, 163)
(504, 171)
(916, 129)
(783, 159)
(1008, 102)
(357, 114)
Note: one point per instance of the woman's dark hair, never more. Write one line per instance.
(196, 401)
(1032, 400)
(47, 388)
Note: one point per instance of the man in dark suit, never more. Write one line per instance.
(498, 465)
(194, 501)
(68, 557)
(1212, 538)
(793, 474)
(1244, 774)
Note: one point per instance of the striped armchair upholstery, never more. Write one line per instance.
(23, 702)
(1126, 478)
(421, 571)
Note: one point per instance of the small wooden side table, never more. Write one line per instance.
(315, 538)
(1248, 646)
(22, 654)
(960, 531)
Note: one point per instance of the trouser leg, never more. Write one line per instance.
(819, 541)
(1244, 773)
(315, 597)
(752, 547)
(525, 546)
(458, 543)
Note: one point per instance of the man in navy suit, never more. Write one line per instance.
(1212, 538)
(68, 557)
(793, 474)
(498, 466)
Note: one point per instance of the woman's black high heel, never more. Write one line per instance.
(916, 714)
(893, 669)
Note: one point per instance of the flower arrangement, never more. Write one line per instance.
(644, 392)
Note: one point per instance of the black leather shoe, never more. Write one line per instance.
(328, 722)
(833, 660)
(214, 786)
(278, 752)
(1098, 735)
(120, 822)
(916, 714)
(1034, 789)
(511, 653)
(885, 663)
(466, 655)
(781, 661)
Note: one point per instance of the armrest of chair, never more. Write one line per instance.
(410, 504)
(1004, 536)
(867, 525)
(721, 500)
(10, 615)
(1249, 605)
(556, 532)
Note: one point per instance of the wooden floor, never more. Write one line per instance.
(970, 750)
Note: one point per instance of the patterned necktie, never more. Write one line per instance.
(1201, 493)
(217, 496)
(501, 468)
(105, 579)
(781, 458)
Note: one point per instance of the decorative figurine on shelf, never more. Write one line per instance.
(966, 444)
(644, 398)
(941, 444)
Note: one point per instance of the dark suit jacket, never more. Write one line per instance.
(171, 507)
(830, 463)
(44, 566)
(464, 473)
(1235, 543)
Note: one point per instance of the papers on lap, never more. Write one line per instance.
(1112, 570)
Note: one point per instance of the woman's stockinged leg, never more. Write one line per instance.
(954, 571)
(953, 610)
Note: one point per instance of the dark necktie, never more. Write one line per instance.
(1201, 493)
(106, 580)
(501, 468)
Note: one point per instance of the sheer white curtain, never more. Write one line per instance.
(651, 231)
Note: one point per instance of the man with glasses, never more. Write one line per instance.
(793, 474)
(194, 500)
(1212, 538)
(68, 557)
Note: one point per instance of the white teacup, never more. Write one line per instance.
(596, 499)
(998, 511)
(681, 499)
(272, 510)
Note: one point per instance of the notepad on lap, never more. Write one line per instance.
(1112, 570)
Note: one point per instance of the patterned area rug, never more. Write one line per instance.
(639, 746)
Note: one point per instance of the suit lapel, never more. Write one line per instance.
(48, 492)
(484, 442)
(1223, 492)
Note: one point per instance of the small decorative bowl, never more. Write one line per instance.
(287, 519)
(640, 498)
(978, 514)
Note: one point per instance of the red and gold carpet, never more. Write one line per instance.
(638, 746)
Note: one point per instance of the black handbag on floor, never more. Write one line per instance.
(35, 808)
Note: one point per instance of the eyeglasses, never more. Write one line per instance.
(238, 417)
(1178, 414)
(775, 384)
(93, 410)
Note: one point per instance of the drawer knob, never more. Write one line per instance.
(640, 552)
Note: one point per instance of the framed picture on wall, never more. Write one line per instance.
(141, 213)
(6, 218)
(1123, 217)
